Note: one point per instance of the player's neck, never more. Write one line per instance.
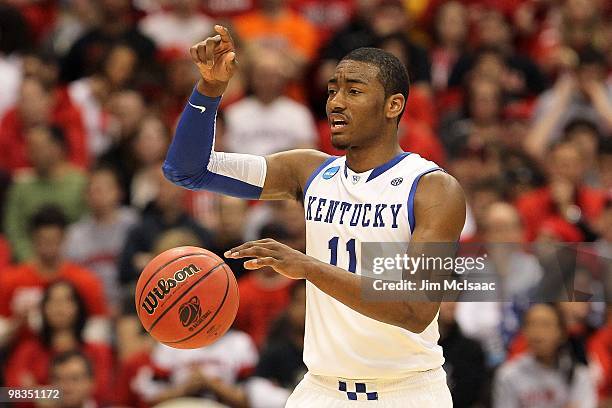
(360, 159)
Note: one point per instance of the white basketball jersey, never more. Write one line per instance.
(344, 209)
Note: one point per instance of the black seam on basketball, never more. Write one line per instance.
(183, 294)
(163, 266)
(211, 319)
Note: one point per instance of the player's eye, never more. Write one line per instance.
(354, 91)
(331, 92)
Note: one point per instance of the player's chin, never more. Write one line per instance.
(340, 140)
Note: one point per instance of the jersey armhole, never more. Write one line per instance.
(315, 173)
(411, 195)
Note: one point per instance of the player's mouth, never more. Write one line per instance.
(338, 123)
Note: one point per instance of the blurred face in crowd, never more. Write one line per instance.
(120, 65)
(489, 65)
(452, 24)
(44, 152)
(484, 100)
(128, 109)
(47, 242)
(44, 70)
(232, 217)
(103, 192)
(61, 308)
(389, 18)
(543, 331)
(357, 97)
(74, 381)
(493, 30)
(566, 162)
(503, 224)
(268, 76)
(587, 143)
(35, 103)
(151, 142)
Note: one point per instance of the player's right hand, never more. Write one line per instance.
(215, 57)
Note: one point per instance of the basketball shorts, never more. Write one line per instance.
(425, 389)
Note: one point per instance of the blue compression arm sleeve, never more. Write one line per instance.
(192, 163)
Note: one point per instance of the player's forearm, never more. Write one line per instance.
(189, 153)
(192, 163)
(346, 287)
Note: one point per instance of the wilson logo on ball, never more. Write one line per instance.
(190, 311)
(165, 286)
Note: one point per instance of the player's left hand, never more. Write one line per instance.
(280, 257)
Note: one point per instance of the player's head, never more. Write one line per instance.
(366, 96)
(72, 372)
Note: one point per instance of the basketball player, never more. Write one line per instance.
(382, 353)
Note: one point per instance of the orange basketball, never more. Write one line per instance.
(187, 297)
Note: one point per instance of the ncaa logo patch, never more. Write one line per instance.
(331, 172)
(397, 181)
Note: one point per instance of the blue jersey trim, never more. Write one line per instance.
(384, 167)
(316, 172)
(415, 183)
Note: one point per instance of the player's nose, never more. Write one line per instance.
(336, 103)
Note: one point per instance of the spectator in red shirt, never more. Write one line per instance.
(64, 316)
(39, 105)
(21, 287)
(565, 196)
(264, 294)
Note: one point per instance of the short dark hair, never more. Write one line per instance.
(392, 74)
(66, 356)
(46, 216)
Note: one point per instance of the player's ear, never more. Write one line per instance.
(395, 105)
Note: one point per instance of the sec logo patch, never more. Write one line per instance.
(397, 181)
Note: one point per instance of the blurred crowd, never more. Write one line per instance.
(512, 97)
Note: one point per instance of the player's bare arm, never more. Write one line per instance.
(439, 213)
(192, 161)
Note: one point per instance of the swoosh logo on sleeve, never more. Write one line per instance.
(200, 108)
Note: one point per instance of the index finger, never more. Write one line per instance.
(224, 33)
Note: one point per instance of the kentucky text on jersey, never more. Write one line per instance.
(375, 215)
